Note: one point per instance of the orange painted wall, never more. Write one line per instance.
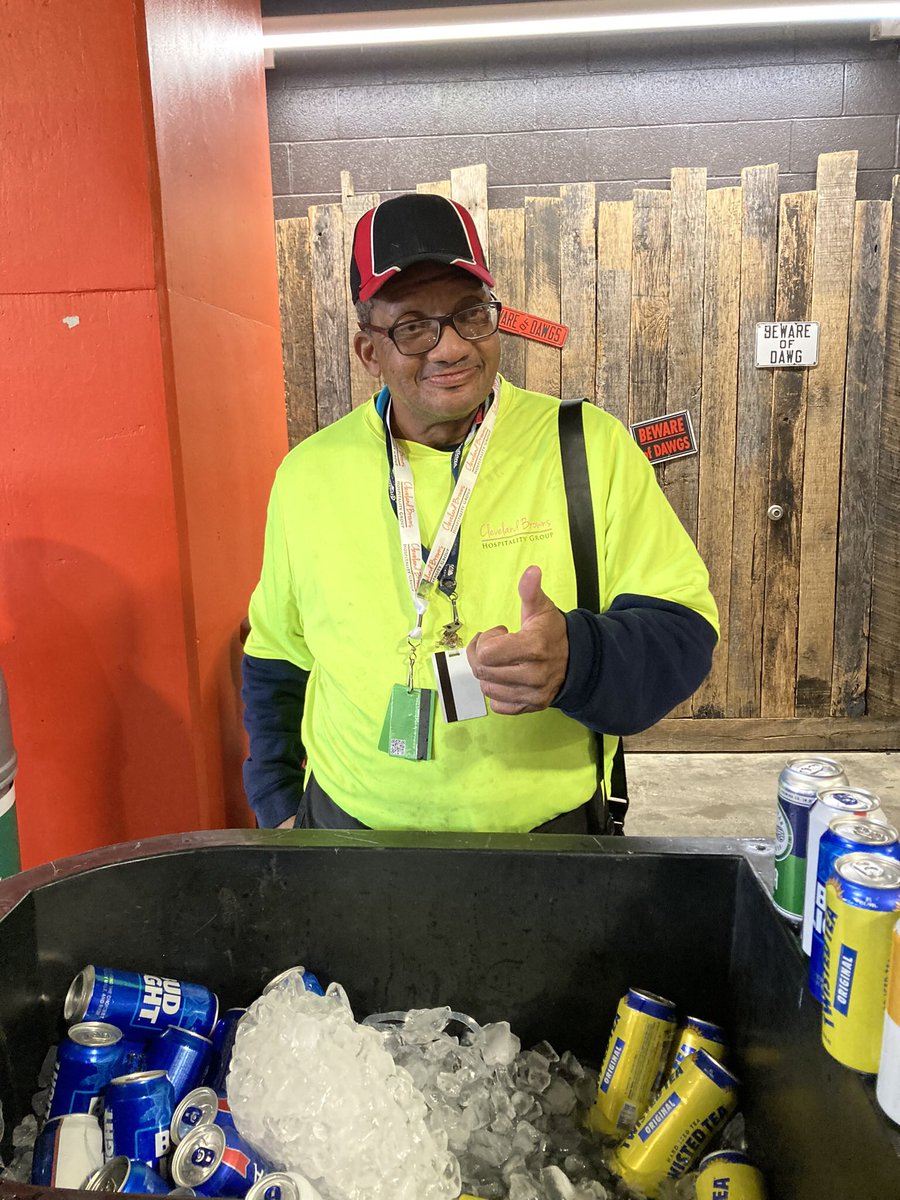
(139, 440)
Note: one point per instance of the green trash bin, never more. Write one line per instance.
(10, 861)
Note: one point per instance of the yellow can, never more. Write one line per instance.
(862, 899)
(697, 1035)
(635, 1061)
(729, 1175)
(689, 1112)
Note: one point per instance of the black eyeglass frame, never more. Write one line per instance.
(443, 322)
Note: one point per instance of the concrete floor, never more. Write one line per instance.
(733, 795)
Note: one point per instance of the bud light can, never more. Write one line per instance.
(183, 1055)
(697, 1035)
(844, 835)
(87, 1059)
(798, 787)
(635, 1061)
(300, 975)
(729, 1175)
(689, 1112)
(284, 1185)
(222, 1045)
(140, 1005)
(216, 1161)
(202, 1106)
(862, 901)
(68, 1149)
(120, 1174)
(137, 1117)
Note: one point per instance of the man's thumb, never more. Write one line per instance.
(534, 601)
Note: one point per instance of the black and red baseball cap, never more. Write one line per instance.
(417, 227)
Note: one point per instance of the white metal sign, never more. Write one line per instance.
(787, 343)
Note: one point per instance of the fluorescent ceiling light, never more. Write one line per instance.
(555, 20)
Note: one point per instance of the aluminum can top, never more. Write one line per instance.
(861, 832)
(706, 1029)
(79, 994)
(302, 974)
(856, 800)
(136, 1077)
(651, 1004)
(868, 880)
(113, 1177)
(187, 1173)
(715, 1071)
(95, 1033)
(279, 1183)
(811, 773)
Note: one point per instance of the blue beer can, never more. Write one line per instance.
(222, 1045)
(183, 1055)
(68, 1150)
(121, 1174)
(87, 1059)
(137, 1117)
(202, 1106)
(301, 975)
(142, 1006)
(844, 835)
(216, 1161)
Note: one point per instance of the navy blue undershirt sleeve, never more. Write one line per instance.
(632, 664)
(274, 692)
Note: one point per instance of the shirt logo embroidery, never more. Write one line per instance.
(524, 529)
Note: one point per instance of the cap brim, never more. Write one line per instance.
(376, 282)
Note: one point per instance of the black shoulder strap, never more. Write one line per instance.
(584, 553)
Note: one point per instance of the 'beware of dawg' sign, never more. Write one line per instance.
(665, 438)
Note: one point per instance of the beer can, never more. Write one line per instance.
(696, 1035)
(862, 900)
(216, 1161)
(137, 1117)
(686, 1116)
(844, 835)
(798, 786)
(284, 1185)
(832, 802)
(183, 1055)
(202, 1106)
(300, 975)
(68, 1149)
(140, 1005)
(635, 1061)
(729, 1175)
(222, 1045)
(121, 1174)
(87, 1059)
(888, 1087)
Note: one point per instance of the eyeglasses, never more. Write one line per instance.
(423, 334)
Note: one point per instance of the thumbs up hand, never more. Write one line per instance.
(523, 672)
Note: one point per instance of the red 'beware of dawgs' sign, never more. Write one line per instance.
(665, 438)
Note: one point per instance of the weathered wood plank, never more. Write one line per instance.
(721, 319)
(797, 231)
(506, 227)
(835, 211)
(439, 188)
(884, 627)
(542, 363)
(649, 304)
(614, 249)
(295, 296)
(759, 241)
(353, 206)
(680, 480)
(578, 282)
(468, 187)
(329, 308)
(752, 734)
(862, 422)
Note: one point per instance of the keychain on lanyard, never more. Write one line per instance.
(411, 709)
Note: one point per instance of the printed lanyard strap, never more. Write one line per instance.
(424, 568)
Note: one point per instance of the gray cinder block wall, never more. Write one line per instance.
(621, 111)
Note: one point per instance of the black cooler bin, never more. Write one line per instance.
(545, 932)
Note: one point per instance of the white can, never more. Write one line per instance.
(888, 1087)
(832, 802)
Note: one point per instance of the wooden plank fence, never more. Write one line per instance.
(662, 294)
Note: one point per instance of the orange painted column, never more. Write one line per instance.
(141, 408)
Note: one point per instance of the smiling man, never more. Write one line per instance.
(416, 657)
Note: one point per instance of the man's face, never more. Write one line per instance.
(448, 382)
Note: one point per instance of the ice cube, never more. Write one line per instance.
(522, 1187)
(546, 1051)
(555, 1185)
(559, 1097)
(25, 1133)
(498, 1044)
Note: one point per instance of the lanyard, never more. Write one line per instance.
(425, 568)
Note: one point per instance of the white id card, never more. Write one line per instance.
(459, 691)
